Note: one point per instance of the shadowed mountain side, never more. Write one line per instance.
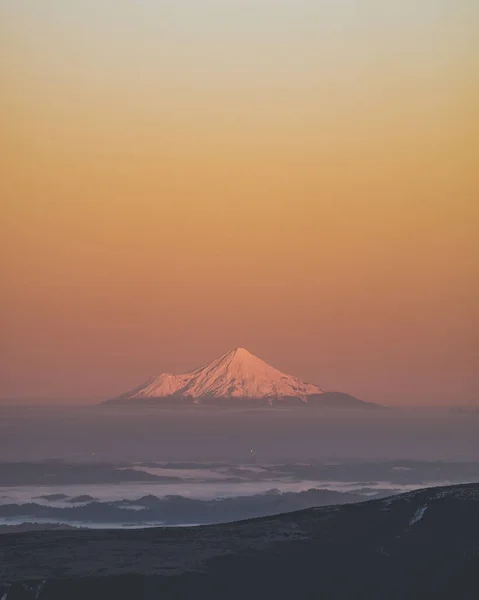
(326, 400)
(341, 401)
(417, 546)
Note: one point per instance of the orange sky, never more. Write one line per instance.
(298, 178)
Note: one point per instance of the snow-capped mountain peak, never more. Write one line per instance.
(236, 374)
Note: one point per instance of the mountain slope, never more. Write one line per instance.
(416, 546)
(235, 374)
(238, 376)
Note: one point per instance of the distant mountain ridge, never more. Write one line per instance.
(237, 378)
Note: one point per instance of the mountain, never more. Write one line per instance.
(235, 378)
(416, 546)
(171, 510)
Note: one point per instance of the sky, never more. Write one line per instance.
(296, 177)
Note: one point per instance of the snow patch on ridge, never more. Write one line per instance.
(418, 515)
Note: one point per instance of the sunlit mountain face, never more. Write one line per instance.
(236, 378)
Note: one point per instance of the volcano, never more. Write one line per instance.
(237, 378)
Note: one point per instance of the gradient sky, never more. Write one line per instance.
(298, 177)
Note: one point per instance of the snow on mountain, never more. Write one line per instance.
(236, 374)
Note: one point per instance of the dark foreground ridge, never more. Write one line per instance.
(420, 545)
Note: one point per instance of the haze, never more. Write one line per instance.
(179, 178)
